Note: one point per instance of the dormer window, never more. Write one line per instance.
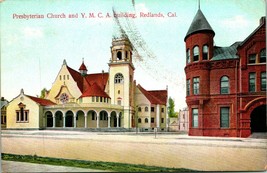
(263, 56)
(205, 52)
(196, 53)
(119, 55)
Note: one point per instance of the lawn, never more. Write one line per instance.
(109, 166)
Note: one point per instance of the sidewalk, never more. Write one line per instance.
(11, 166)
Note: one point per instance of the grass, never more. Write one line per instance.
(109, 166)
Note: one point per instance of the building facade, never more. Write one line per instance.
(101, 100)
(225, 86)
(183, 120)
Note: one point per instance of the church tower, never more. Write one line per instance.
(121, 73)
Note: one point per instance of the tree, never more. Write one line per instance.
(171, 111)
(43, 93)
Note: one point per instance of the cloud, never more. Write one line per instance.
(30, 32)
(235, 22)
(141, 7)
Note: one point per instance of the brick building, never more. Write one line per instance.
(225, 86)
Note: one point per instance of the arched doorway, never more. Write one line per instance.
(258, 121)
(59, 119)
(103, 119)
(49, 119)
(80, 119)
(69, 119)
(91, 119)
(113, 119)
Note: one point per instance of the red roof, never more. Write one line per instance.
(155, 96)
(83, 67)
(95, 90)
(77, 77)
(85, 83)
(42, 102)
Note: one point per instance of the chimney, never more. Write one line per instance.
(262, 20)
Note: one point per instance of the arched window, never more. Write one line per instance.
(205, 52)
(196, 53)
(119, 55)
(146, 109)
(224, 85)
(188, 56)
(139, 120)
(118, 78)
(263, 56)
(146, 120)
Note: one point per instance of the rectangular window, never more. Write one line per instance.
(17, 115)
(162, 110)
(196, 85)
(252, 82)
(162, 120)
(152, 109)
(101, 99)
(26, 115)
(119, 102)
(97, 99)
(152, 120)
(252, 59)
(224, 116)
(93, 99)
(22, 115)
(263, 81)
(188, 87)
(195, 117)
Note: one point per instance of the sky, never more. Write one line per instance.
(33, 50)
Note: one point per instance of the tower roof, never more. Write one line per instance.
(199, 23)
(83, 67)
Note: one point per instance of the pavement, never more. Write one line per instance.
(170, 149)
(11, 166)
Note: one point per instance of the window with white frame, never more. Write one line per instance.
(252, 82)
(196, 85)
(194, 117)
(263, 81)
(205, 52)
(224, 85)
(196, 53)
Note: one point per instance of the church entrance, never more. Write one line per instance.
(258, 120)
(49, 119)
(69, 119)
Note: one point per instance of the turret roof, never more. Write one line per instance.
(83, 67)
(199, 23)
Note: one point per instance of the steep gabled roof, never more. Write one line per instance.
(42, 102)
(155, 96)
(95, 90)
(263, 22)
(77, 77)
(99, 78)
(199, 23)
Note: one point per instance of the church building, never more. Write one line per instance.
(225, 86)
(104, 101)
